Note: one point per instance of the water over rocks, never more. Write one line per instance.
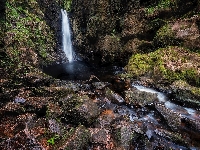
(93, 116)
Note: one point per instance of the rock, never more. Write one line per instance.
(105, 119)
(114, 97)
(102, 139)
(181, 32)
(78, 139)
(99, 26)
(136, 46)
(141, 98)
(23, 132)
(173, 118)
(79, 109)
(99, 85)
(134, 24)
(185, 94)
(19, 100)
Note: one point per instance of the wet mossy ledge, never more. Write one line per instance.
(171, 63)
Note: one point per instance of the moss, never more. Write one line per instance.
(180, 84)
(27, 30)
(161, 5)
(165, 37)
(164, 64)
(67, 4)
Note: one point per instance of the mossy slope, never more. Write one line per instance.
(171, 63)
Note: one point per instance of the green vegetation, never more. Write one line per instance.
(52, 140)
(67, 4)
(162, 4)
(165, 37)
(164, 64)
(27, 32)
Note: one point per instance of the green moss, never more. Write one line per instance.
(180, 84)
(164, 64)
(67, 4)
(162, 4)
(26, 28)
(165, 37)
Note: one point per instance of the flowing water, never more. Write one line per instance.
(184, 111)
(158, 121)
(66, 36)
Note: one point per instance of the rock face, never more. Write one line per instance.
(111, 31)
(97, 27)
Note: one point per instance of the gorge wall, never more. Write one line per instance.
(110, 31)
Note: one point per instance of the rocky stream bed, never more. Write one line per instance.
(94, 114)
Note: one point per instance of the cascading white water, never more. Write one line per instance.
(162, 98)
(66, 36)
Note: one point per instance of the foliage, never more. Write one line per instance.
(52, 140)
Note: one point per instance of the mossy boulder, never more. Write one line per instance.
(79, 109)
(164, 64)
(165, 37)
(186, 94)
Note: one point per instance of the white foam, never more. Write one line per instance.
(161, 97)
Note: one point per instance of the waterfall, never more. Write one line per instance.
(66, 36)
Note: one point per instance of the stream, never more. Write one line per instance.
(151, 114)
(132, 115)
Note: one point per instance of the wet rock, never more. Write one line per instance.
(105, 119)
(53, 110)
(101, 139)
(79, 109)
(192, 124)
(173, 118)
(141, 98)
(23, 133)
(78, 139)
(12, 108)
(99, 85)
(124, 135)
(119, 85)
(19, 100)
(185, 94)
(173, 136)
(54, 126)
(114, 97)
